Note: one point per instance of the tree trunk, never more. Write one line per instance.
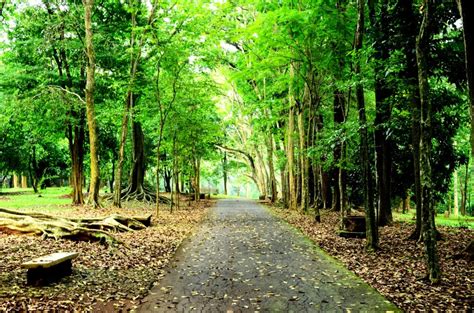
(34, 171)
(370, 222)
(303, 158)
(291, 154)
(429, 231)
(290, 143)
(197, 179)
(271, 167)
(382, 112)
(112, 177)
(76, 139)
(224, 171)
(283, 174)
(137, 174)
(338, 174)
(121, 155)
(167, 180)
(466, 8)
(464, 190)
(16, 181)
(24, 181)
(90, 110)
(455, 194)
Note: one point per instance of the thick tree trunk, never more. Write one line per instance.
(90, 110)
(121, 155)
(370, 222)
(137, 174)
(429, 231)
(466, 9)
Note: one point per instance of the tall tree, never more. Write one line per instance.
(379, 26)
(136, 48)
(90, 109)
(429, 231)
(466, 9)
(371, 223)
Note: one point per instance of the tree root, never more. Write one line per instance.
(87, 229)
(142, 195)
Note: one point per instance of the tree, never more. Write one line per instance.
(379, 25)
(371, 223)
(429, 232)
(130, 99)
(465, 10)
(90, 109)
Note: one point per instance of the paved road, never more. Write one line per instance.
(243, 259)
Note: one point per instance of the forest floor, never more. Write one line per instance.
(398, 269)
(104, 278)
(244, 259)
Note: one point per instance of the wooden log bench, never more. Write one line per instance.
(49, 268)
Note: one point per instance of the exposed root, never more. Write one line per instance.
(48, 226)
(142, 194)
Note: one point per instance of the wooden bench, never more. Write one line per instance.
(353, 227)
(49, 268)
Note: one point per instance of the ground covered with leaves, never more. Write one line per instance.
(398, 269)
(105, 278)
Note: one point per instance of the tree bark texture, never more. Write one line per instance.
(290, 143)
(429, 231)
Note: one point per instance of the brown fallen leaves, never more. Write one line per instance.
(396, 271)
(105, 278)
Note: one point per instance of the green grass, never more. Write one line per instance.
(49, 200)
(440, 220)
(222, 196)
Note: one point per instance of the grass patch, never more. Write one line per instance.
(49, 200)
(440, 219)
(222, 196)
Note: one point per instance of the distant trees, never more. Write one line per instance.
(71, 75)
(333, 110)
